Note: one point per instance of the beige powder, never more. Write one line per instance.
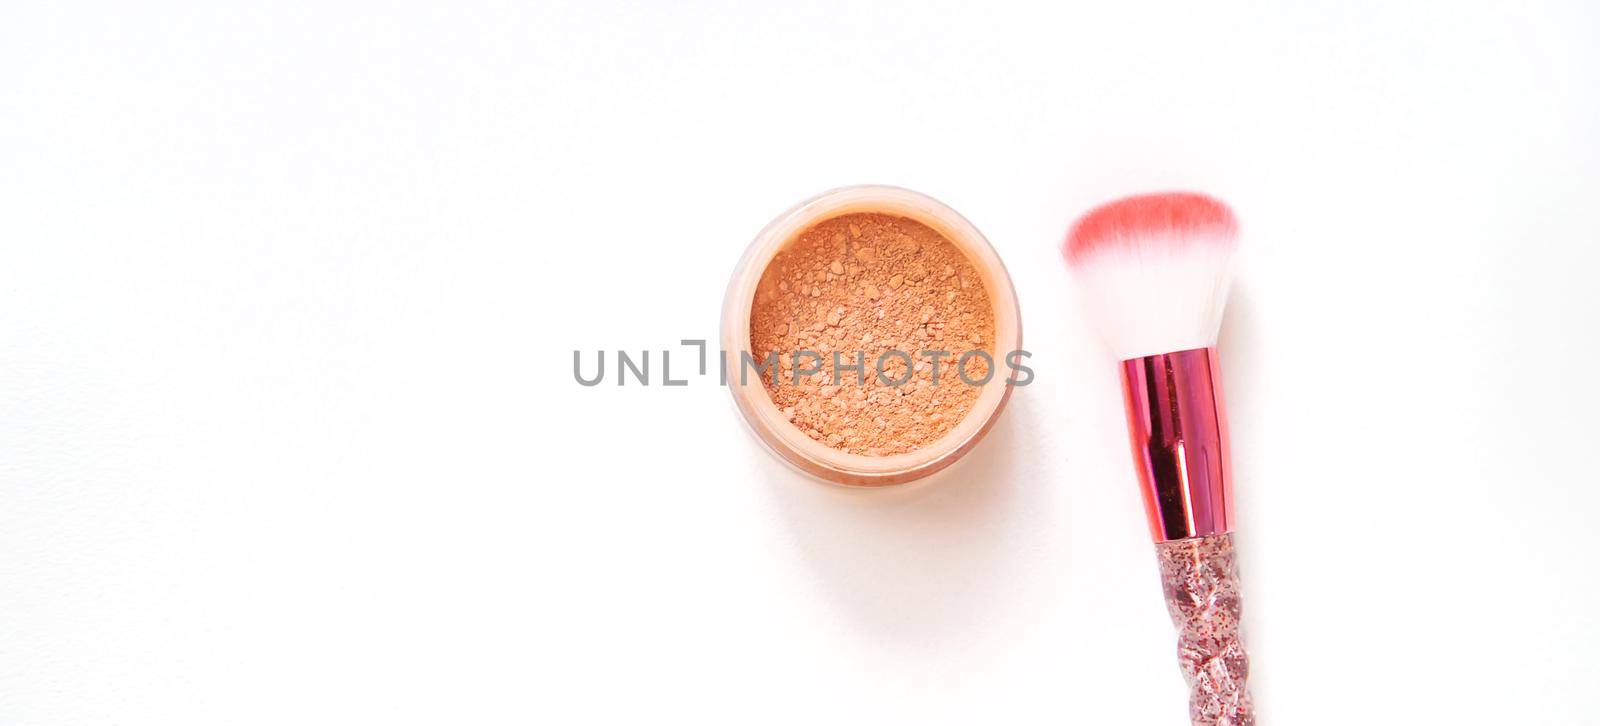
(872, 283)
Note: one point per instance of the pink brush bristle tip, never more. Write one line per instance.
(1178, 217)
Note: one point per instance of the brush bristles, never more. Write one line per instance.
(1153, 271)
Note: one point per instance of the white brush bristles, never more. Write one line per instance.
(1160, 293)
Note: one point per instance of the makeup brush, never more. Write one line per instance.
(1153, 273)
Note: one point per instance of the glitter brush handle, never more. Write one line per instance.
(1201, 582)
(1179, 432)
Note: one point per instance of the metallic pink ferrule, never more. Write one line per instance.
(1179, 433)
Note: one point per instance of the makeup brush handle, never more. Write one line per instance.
(1201, 582)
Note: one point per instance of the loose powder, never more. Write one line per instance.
(871, 283)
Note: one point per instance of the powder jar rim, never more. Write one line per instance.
(786, 440)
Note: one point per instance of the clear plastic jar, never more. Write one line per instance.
(785, 439)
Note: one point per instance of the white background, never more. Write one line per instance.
(289, 294)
